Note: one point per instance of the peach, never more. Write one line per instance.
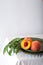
(35, 46)
(28, 39)
(26, 43)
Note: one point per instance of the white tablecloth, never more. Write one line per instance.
(30, 59)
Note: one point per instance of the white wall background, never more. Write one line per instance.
(20, 17)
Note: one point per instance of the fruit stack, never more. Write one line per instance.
(28, 44)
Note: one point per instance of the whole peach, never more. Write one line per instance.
(35, 46)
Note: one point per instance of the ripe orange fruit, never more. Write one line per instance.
(26, 43)
(28, 39)
(35, 46)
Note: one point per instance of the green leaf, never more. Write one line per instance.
(17, 49)
(13, 45)
(16, 39)
(10, 52)
(5, 49)
(14, 42)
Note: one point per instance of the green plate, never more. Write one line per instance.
(35, 52)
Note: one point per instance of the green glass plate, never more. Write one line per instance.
(35, 52)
